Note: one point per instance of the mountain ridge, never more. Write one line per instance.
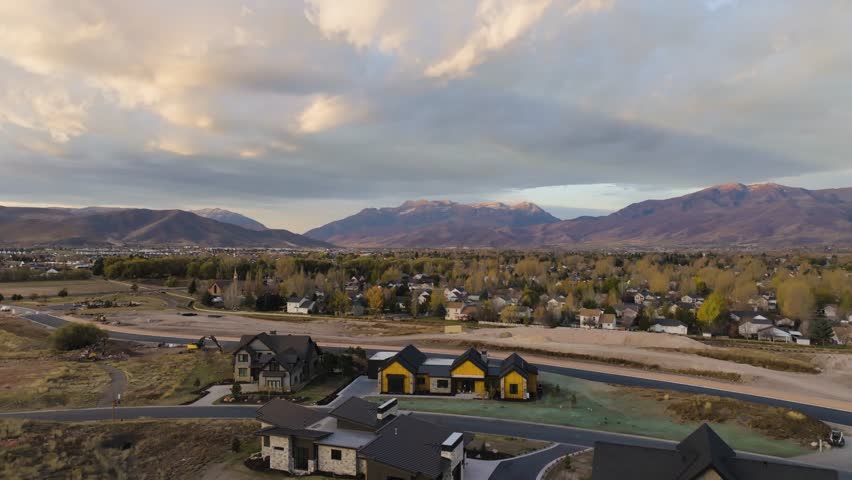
(733, 214)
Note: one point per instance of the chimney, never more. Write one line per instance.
(273, 332)
(387, 410)
(484, 355)
(452, 447)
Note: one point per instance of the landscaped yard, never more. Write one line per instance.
(168, 377)
(580, 403)
(496, 447)
(576, 467)
(128, 449)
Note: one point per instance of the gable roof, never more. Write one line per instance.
(409, 357)
(288, 415)
(590, 312)
(474, 356)
(700, 451)
(360, 411)
(515, 362)
(412, 445)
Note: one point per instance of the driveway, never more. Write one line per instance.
(117, 385)
(216, 392)
(527, 467)
(360, 387)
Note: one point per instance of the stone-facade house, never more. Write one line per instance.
(359, 439)
(278, 363)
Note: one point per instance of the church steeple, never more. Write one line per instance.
(235, 274)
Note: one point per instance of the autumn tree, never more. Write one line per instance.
(436, 303)
(711, 309)
(339, 303)
(796, 299)
(375, 299)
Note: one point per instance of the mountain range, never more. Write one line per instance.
(98, 226)
(730, 215)
(761, 216)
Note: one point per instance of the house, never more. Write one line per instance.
(608, 321)
(627, 313)
(750, 326)
(279, 363)
(589, 317)
(556, 304)
(687, 299)
(774, 334)
(359, 439)
(455, 295)
(830, 312)
(668, 325)
(302, 305)
(460, 311)
(703, 455)
(218, 288)
(410, 371)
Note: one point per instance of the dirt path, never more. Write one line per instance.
(117, 385)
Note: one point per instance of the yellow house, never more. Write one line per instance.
(409, 371)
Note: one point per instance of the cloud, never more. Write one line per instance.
(355, 103)
(502, 21)
(326, 112)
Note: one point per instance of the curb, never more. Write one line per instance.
(556, 460)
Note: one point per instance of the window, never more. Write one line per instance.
(243, 357)
(278, 448)
(242, 372)
(421, 380)
(443, 384)
(336, 454)
(266, 440)
(513, 388)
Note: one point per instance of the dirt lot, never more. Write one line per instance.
(50, 288)
(124, 450)
(498, 447)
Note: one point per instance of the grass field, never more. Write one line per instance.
(600, 406)
(142, 449)
(32, 376)
(50, 288)
(168, 377)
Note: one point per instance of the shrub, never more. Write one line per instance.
(62, 293)
(235, 444)
(16, 297)
(76, 335)
(236, 390)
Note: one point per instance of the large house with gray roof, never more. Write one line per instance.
(276, 363)
(359, 439)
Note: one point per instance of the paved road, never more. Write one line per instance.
(117, 385)
(823, 413)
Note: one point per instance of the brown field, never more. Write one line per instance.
(773, 360)
(577, 467)
(50, 288)
(142, 449)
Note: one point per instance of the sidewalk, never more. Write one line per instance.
(218, 391)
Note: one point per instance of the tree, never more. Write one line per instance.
(235, 444)
(268, 302)
(796, 299)
(16, 297)
(340, 303)
(193, 287)
(171, 282)
(711, 309)
(821, 331)
(98, 267)
(375, 299)
(236, 390)
(62, 293)
(2, 297)
(207, 299)
(436, 303)
(134, 288)
(73, 336)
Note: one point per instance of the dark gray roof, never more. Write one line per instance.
(298, 432)
(284, 414)
(435, 370)
(409, 357)
(289, 349)
(515, 362)
(360, 411)
(411, 445)
(700, 451)
(669, 322)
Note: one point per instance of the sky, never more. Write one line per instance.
(302, 112)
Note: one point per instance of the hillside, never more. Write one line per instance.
(432, 224)
(132, 226)
(227, 216)
(761, 216)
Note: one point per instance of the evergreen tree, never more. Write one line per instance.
(821, 331)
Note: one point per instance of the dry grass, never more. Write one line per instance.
(577, 467)
(168, 377)
(49, 288)
(774, 422)
(32, 376)
(130, 449)
(783, 362)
